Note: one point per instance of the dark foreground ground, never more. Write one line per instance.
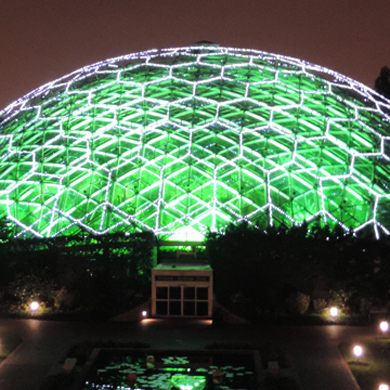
(315, 359)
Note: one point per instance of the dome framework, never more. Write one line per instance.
(182, 140)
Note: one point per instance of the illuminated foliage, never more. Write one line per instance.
(101, 274)
(181, 140)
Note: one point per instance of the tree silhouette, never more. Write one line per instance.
(382, 83)
(5, 229)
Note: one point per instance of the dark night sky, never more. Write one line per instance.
(42, 40)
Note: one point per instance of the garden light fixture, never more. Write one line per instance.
(334, 312)
(384, 326)
(358, 351)
(34, 306)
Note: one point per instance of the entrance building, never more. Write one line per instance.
(182, 288)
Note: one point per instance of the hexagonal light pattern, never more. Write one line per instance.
(180, 140)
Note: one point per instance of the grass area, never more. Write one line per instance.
(373, 368)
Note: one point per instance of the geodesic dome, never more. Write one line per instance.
(180, 140)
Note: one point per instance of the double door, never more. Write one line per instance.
(192, 301)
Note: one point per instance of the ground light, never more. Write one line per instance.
(357, 351)
(334, 312)
(383, 386)
(384, 327)
(34, 306)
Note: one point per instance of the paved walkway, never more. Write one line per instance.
(313, 349)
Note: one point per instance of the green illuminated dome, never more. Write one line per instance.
(180, 140)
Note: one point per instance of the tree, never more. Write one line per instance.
(382, 83)
(5, 229)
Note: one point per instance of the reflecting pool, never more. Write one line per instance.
(172, 370)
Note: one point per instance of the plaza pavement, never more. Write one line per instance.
(315, 359)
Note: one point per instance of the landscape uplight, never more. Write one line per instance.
(34, 306)
(357, 351)
(383, 386)
(334, 312)
(384, 326)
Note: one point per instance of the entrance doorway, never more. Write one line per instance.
(182, 301)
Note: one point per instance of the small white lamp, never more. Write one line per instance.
(334, 312)
(357, 351)
(34, 306)
(384, 326)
